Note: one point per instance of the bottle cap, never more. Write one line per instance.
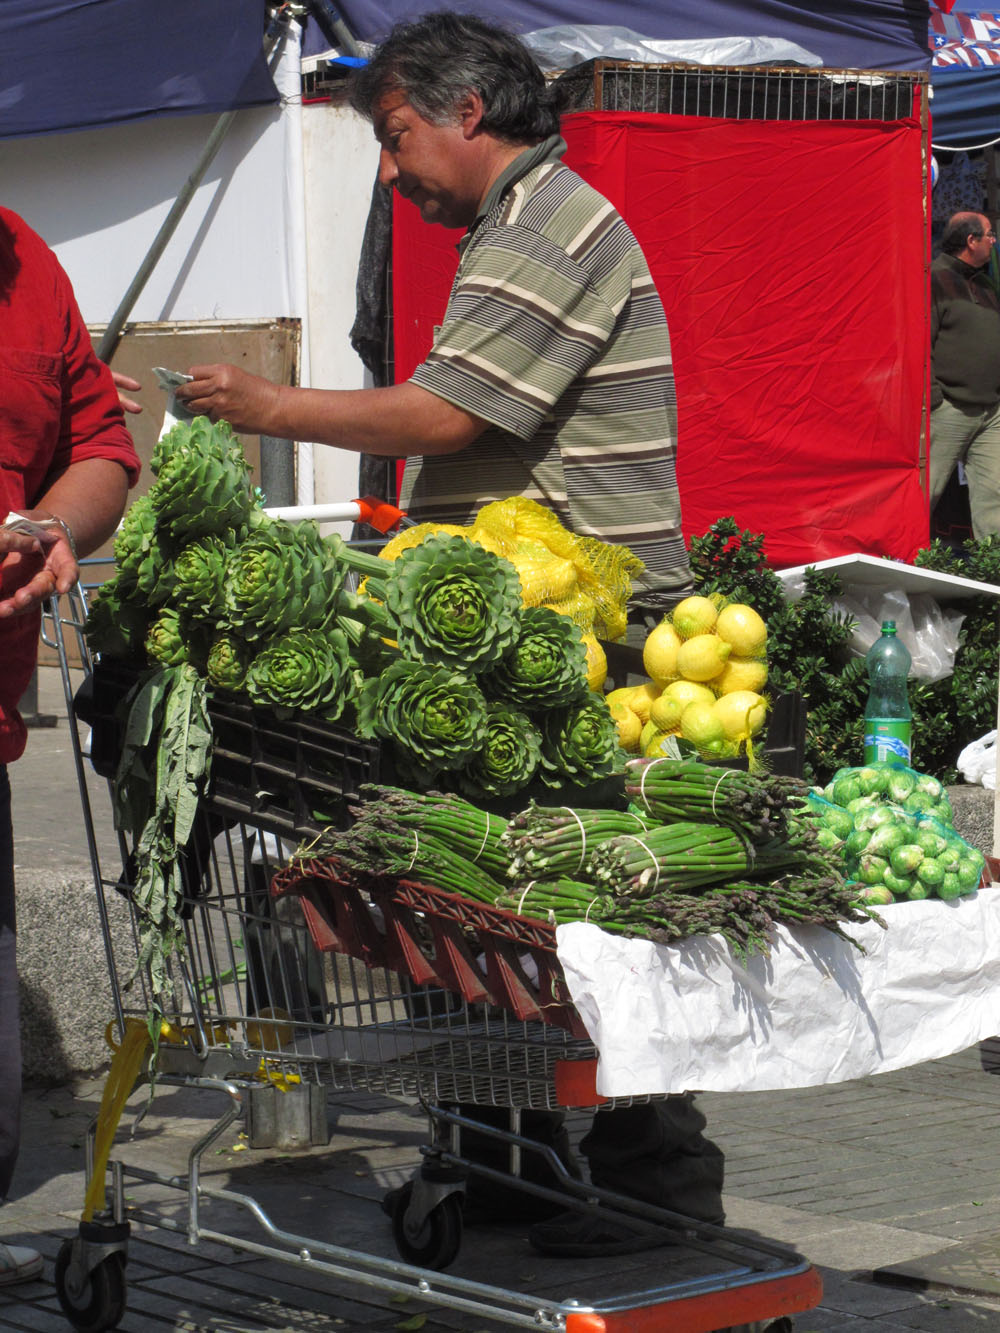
(888, 627)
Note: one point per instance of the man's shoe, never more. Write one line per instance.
(18, 1264)
(591, 1234)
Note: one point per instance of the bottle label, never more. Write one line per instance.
(887, 739)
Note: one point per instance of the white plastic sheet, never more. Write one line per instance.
(689, 1017)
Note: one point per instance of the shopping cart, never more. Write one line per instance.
(296, 976)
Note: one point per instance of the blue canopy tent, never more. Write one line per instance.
(66, 65)
(71, 66)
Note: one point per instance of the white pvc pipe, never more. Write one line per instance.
(348, 511)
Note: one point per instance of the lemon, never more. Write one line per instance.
(702, 726)
(702, 657)
(620, 696)
(743, 629)
(741, 673)
(694, 615)
(687, 692)
(629, 727)
(642, 699)
(741, 713)
(659, 653)
(597, 662)
(665, 712)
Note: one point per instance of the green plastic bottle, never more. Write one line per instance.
(888, 717)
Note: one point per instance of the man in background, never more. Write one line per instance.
(965, 369)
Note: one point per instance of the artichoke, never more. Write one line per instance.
(436, 718)
(281, 578)
(202, 484)
(227, 663)
(453, 603)
(199, 575)
(579, 744)
(547, 667)
(143, 556)
(165, 641)
(307, 671)
(116, 626)
(197, 436)
(508, 757)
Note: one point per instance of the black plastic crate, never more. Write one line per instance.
(290, 776)
(287, 776)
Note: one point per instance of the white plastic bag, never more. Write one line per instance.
(978, 761)
(930, 634)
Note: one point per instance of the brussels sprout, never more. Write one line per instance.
(825, 837)
(838, 821)
(856, 842)
(828, 793)
(919, 803)
(899, 785)
(918, 890)
(900, 885)
(871, 869)
(950, 887)
(886, 838)
(929, 872)
(943, 811)
(933, 844)
(877, 816)
(906, 859)
(846, 790)
(860, 804)
(876, 894)
(970, 871)
(872, 779)
(930, 786)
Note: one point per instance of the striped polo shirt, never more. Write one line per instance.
(555, 335)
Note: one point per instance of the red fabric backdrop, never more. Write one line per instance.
(791, 259)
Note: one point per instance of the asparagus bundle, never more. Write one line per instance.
(681, 789)
(546, 842)
(375, 846)
(459, 825)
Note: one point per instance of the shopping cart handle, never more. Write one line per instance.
(379, 514)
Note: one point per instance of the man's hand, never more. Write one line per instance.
(133, 386)
(32, 569)
(248, 402)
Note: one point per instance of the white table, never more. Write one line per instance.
(689, 1017)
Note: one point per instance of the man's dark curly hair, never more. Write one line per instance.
(437, 59)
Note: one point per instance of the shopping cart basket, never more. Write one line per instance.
(294, 976)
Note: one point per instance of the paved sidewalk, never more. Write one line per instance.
(889, 1173)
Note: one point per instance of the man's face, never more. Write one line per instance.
(979, 247)
(426, 163)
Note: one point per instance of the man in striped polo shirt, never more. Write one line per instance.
(550, 378)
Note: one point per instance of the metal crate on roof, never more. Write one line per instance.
(745, 92)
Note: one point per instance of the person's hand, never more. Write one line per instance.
(227, 393)
(133, 386)
(33, 568)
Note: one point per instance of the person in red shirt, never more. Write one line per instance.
(67, 461)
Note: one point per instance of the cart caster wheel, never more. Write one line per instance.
(435, 1243)
(95, 1301)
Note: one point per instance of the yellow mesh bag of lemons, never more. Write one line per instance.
(583, 578)
(707, 669)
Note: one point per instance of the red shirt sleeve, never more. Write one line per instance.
(93, 424)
